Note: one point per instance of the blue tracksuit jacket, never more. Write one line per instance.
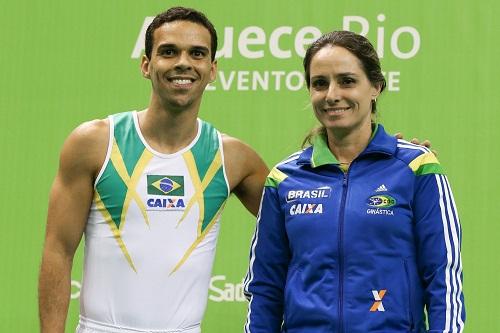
(356, 252)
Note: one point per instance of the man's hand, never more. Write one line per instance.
(425, 143)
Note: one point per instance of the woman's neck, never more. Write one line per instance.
(347, 146)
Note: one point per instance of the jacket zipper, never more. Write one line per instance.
(345, 183)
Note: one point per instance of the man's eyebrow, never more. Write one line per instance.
(166, 45)
(200, 48)
(173, 46)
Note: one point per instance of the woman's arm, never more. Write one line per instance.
(438, 236)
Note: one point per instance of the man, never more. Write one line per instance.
(147, 188)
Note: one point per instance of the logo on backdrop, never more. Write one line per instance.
(220, 290)
(76, 286)
(286, 42)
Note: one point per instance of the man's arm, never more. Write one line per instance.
(426, 143)
(246, 172)
(69, 202)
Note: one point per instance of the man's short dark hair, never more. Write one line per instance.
(180, 14)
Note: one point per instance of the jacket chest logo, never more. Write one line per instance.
(306, 208)
(307, 201)
(319, 193)
(381, 203)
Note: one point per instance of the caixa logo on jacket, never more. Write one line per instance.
(307, 201)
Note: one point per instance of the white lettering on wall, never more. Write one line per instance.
(76, 286)
(221, 291)
(251, 36)
(139, 44)
(305, 37)
(252, 40)
(416, 42)
(286, 42)
(365, 26)
(380, 41)
(245, 80)
(274, 41)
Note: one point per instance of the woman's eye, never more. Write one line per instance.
(347, 80)
(319, 83)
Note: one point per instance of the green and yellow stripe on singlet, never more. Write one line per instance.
(205, 168)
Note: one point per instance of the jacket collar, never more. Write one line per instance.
(319, 154)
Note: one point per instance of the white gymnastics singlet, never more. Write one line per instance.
(151, 234)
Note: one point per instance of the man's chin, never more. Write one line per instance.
(179, 104)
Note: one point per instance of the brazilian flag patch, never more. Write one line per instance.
(166, 185)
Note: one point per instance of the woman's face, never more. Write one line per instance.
(341, 94)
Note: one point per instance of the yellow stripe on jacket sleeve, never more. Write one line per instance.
(275, 178)
(426, 164)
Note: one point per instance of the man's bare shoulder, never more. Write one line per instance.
(230, 142)
(236, 151)
(86, 146)
(243, 164)
(89, 137)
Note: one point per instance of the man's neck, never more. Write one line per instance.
(168, 131)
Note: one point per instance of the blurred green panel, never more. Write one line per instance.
(65, 62)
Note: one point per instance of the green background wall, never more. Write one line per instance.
(64, 62)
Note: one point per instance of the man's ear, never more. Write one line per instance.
(145, 67)
(213, 71)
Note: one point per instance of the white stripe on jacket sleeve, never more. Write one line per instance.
(451, 229)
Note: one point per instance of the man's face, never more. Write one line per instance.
(180, 66)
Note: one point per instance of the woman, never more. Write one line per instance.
(358, 232)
